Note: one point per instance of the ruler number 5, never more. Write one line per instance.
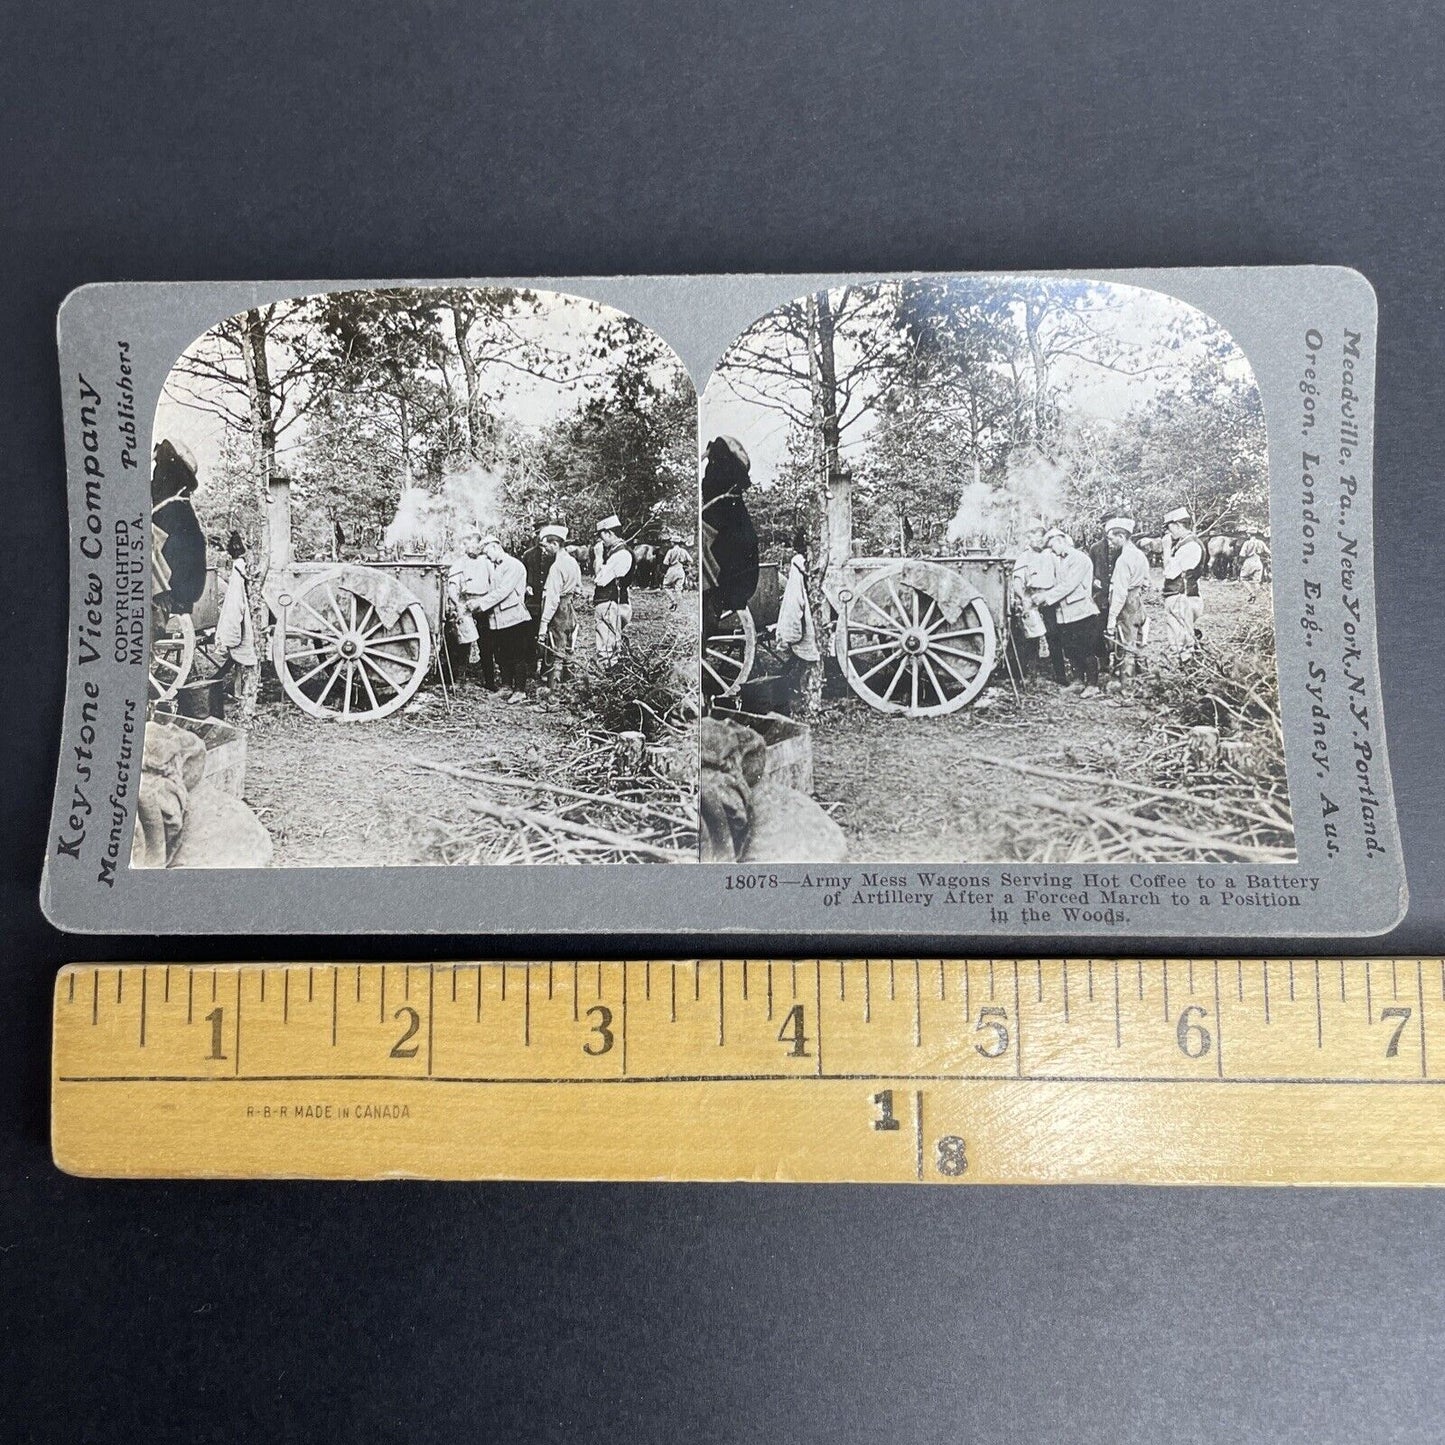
(996, 1021)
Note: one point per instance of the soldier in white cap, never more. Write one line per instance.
(505, 605)
(610, 596)
(1184, 564)
(468, 581)
(561, 592)
(1124, 626)
(1080, 624)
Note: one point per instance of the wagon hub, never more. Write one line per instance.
(915, 640)
(349, 647)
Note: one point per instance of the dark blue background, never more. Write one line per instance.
(411, 139)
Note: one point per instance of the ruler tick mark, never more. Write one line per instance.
(1139, 968)
(285, 995)
(358, 984)
(310, 985)
(165, 999)
(213, 985)
(406, 982)
(335, 1000)
(697, 980)
(381, 1012)
(672, 969)
(892, 983)
(1266, 990)
(745, 979)
(942, 983)
(917, 1005)
(190, 993)
(549, 978)
(1369, 996)
(143, 973)
(1039, 968)
(504, 983)
(1191, 977)
(1420, 995)
(1239, 977)
(575, 967)
(454, 982)
(1291, 980)
(721, 1005)
(1118, 1021)
(263, 985)
(237, 1049)
(818, 1006)
(794, 968)
(119, 979)
(918, 1132)
(527, 1005)
(770, 986)
(624, 1018)
(431, 1012)
(599, 979)
(1319, 1011)
(1342, 980)
(1394, 979)
(646, 980)
(1090, 970)
(1018, 1028)
(990, 978)
(479, 996)
(867, 992)
(72, 985)
(967, 994)
(95, 998)
(1066, 990)
(1218, 1026)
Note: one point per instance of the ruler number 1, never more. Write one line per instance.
(216, 1018)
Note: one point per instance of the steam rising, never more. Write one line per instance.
(1032, 490)
(430, 522)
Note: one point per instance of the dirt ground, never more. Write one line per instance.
(337, 794)
(912, 790)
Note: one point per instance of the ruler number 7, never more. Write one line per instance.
(1392, 1049)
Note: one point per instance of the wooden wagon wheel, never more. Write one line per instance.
(173, 651)
(728, 653)
(900, 651)
(337, 657)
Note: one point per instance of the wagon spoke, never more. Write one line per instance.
(855, 626)
(892, 622)
(352, 595)
(877, 667)
(938, 691)
(893, 681)
(292, 655)
(366, 683)
(346, 689)
(960, 652)
(927, 613)
(320, 667)
(376, 621)
(335, 607)
(898, 602)
(964, 632)
(953, 671)
(872, 647)
(914, 667)
(367, 665)
(324, 621)
(330, 681)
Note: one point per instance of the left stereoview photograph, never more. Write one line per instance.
(422, 588)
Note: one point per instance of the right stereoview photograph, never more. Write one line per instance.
(986, 578)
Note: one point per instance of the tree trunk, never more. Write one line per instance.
(823, 383)
(476, 424)
(263, 443)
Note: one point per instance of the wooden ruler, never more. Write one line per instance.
(988, 1071)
